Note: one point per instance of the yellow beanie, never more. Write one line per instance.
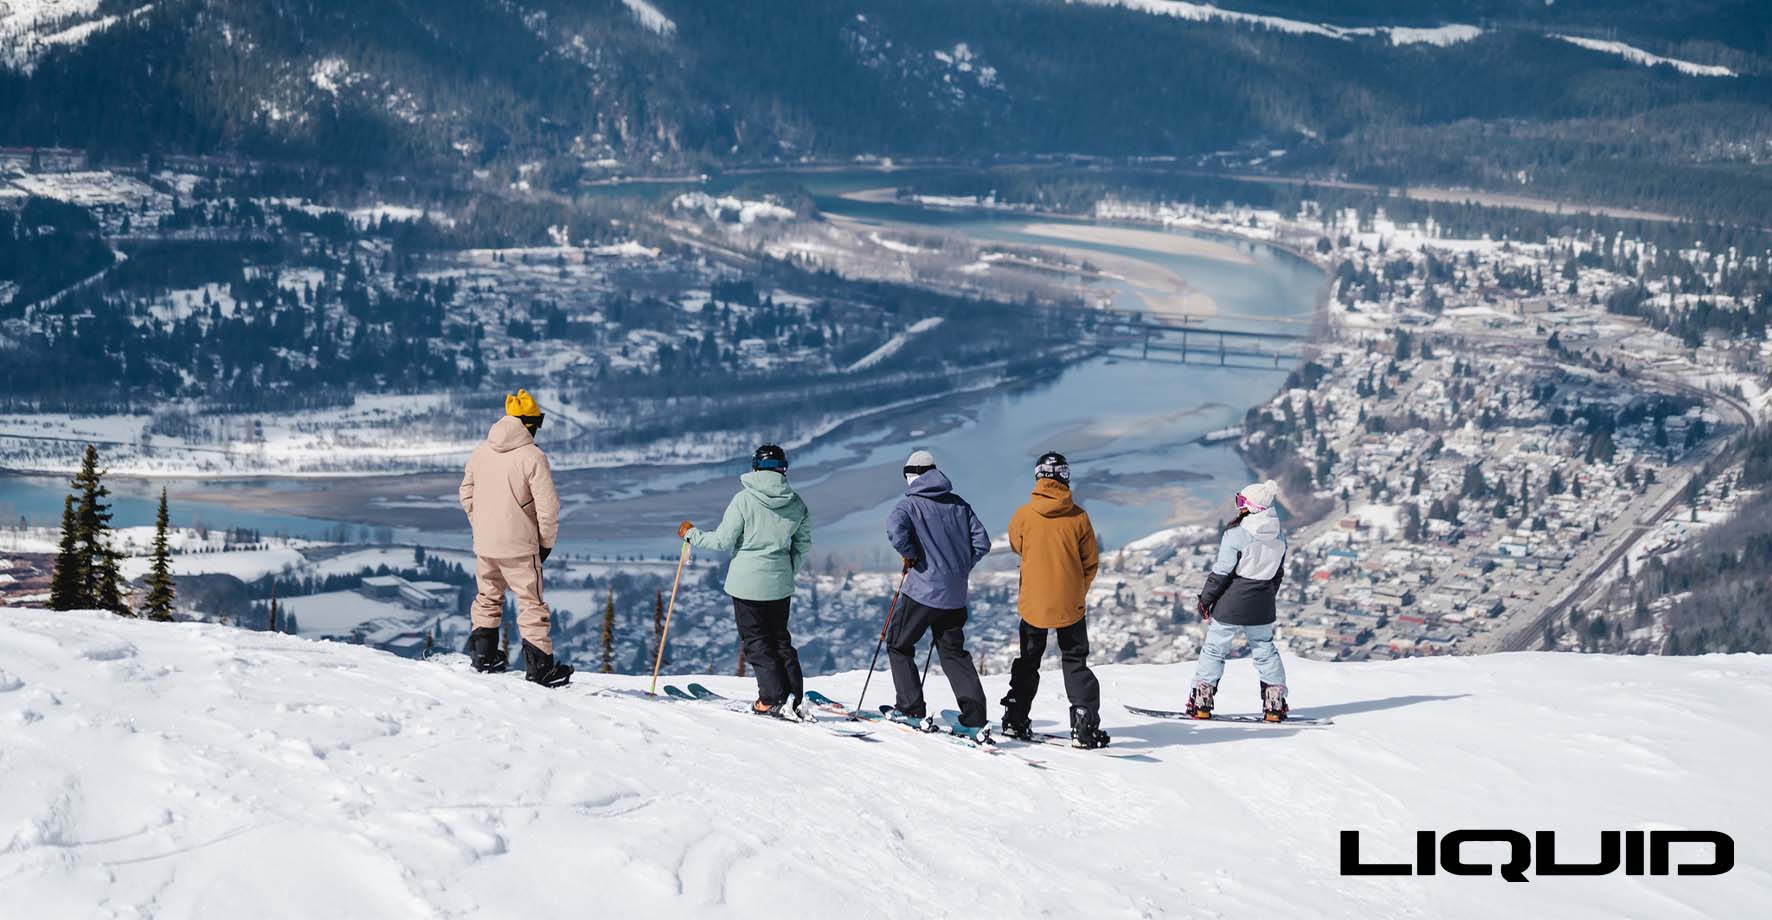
(521, 404)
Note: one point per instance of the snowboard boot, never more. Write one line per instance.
(919, 721)
(1086, 729)
(483, 649)
(540, 667)
(1017, 726)
(1199, 700)
(1273, 702)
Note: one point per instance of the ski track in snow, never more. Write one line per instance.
(197, 770)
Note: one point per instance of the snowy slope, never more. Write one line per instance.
(191, 770)
(1638, 56)
(1206, 12)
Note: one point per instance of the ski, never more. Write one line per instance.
(1240, 718)
(828, 705)
(699, 693)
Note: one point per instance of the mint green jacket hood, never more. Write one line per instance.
(769, 533)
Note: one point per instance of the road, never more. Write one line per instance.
(1528, 634)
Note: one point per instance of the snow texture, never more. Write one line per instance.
(651, 16)
(1638, 56)
(1205, 12)
(894, 345)
(194, 770)
(30, 27)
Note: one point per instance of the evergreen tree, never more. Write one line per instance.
(67, 589)
(658, 624)
(101, 584)
(161, 591)
(609, 633)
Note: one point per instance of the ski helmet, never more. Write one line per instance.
(1053, 465)
(770, 457)
(920, 461)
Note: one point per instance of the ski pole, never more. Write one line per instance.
(659, 661)
(878, 645)
(930, 656)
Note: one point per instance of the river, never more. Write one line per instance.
(1130, 429)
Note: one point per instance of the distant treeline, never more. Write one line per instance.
(1723, 581)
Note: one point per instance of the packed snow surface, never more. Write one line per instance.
(194, 770)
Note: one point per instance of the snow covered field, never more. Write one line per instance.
(187, 770)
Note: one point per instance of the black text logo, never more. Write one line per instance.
(1701, 853)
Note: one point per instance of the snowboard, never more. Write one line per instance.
(1237, 718)
(952, 717)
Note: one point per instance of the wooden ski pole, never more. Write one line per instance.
(658, 661)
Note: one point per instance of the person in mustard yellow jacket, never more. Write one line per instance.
(1056, 542)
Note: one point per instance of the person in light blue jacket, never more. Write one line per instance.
(769, 532)
(941, 539)
(1238, 599)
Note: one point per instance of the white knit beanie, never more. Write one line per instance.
(1258, 496)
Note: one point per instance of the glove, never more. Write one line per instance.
(546, 551)
(908, 563)
(1205, 611)
(683, 529)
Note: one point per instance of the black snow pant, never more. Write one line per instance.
(949, 637)
(763, 631)
(1073, 652)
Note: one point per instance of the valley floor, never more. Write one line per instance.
(182, 770)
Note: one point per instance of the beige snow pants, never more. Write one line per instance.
(522, 576)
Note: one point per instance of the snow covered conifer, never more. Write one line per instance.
(161, 591)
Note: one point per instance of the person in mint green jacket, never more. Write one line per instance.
(769, 533)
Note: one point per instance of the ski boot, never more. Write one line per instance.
(1273, 702)
(1017, 727)
(540, 667)
(770, 710)
(483, 649)
(1199, 700)
(1086, 730)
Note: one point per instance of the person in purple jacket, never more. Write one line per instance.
(941, 539)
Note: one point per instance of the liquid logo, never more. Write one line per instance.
(1631, 851)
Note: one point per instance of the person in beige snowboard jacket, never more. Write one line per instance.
(508, 493)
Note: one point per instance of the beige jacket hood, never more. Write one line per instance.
(508, 493)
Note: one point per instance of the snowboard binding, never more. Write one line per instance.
(1086, 730)
(483, 650)
(1199, 700)
(1273, 702)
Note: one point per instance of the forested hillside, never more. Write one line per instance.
(590, 87)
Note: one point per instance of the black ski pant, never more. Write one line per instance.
(1073, 652)
(763, 631)
(949, 637)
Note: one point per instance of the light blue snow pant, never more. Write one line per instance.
(1219, 637)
